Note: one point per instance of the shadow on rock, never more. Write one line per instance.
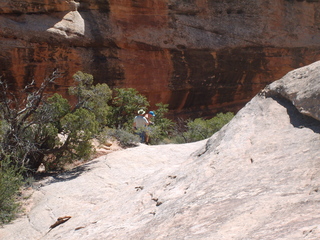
(63, 176)
(297, 119)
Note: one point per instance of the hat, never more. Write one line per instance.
(152, 113)
(141, 111)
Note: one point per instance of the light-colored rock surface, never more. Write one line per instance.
(257, 178)
(301, 88)
(71, 24)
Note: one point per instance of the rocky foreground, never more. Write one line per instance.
(257, 178)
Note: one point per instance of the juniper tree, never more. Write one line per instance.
(35, 125)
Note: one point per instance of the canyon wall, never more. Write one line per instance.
(199, 56)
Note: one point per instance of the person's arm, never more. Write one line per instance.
(146, 121)
(147, 118)
(134, 124)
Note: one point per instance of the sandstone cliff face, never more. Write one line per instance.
(194, 55)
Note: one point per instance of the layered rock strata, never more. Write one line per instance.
(198, 56)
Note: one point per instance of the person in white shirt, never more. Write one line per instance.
(140, 124)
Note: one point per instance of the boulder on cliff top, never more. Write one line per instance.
(257, 178)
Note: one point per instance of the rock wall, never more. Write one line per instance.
(199, 56)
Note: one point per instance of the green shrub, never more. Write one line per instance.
(124, 106)
(93, 98)
(22, 132)
(162, 127)
(10, 182)
(79, 128)
(35, 125)
(200, 129)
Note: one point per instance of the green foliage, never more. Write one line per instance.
(79, 128)
(94, 98)
(19, 124)
(125, 104)
(10, 182)
(3, 128)
(34, 126)
(200, 129)
(53, 110)
(162, 126)
(47, 119)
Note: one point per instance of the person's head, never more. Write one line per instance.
(152, 113)
(141, 112)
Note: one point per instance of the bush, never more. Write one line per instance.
(22, 128)
(10, 182)
(162, 127)
(200, 129)
(35, 126)
(93, 98)
(124, 106)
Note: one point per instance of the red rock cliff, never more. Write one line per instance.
(195, 55)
